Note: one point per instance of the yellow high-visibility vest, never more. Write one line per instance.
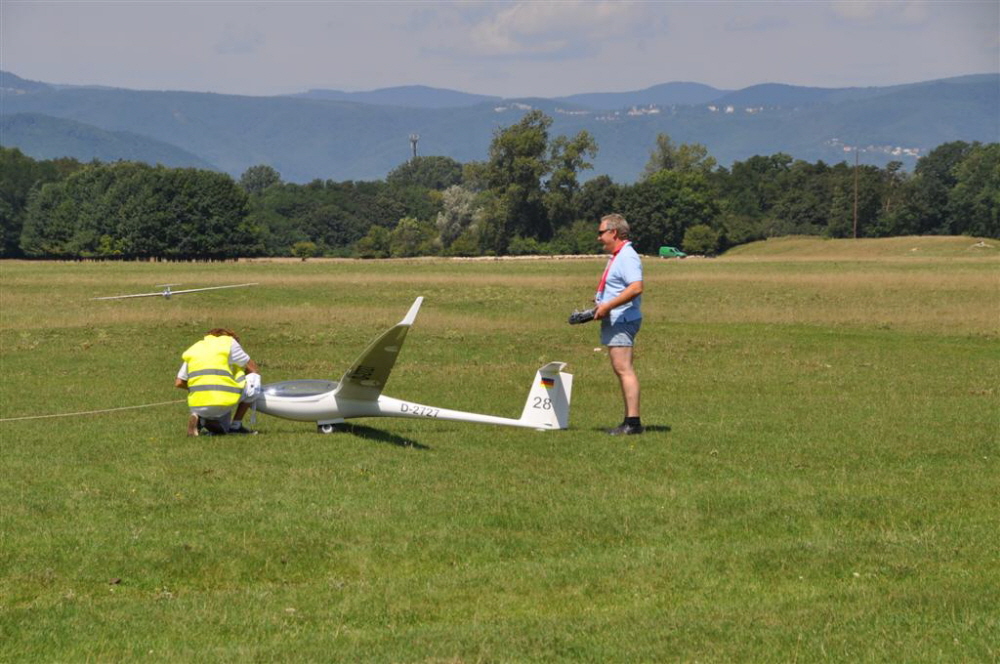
(211, 380)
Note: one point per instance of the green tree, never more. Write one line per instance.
(893, 191)
(577, 238)
(304, 250)
(701, 239)
(103, 195)
(660, 208)
(738, 229)
(256, 179)
(334, 215)
(375, 243)
(520, 157)
(869, 182)
(466, 244)
(436, 173)
(908, 215)
(494, 235)
(892, 179)
(567, 157)
(278, 212)
(49, 222)
(517, 163)
(753, 187)
(330, 226)
(20, 176)
(684, 158)
(974, 201)
(935, 176)
(458, 212)
(412, 237)
(137, 211)
(187, 213)
(803, 206)
(527, 246)
(596, 198)
(415, 201)
(68, 218)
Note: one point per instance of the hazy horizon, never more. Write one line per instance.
(433, 87)
(505, 49)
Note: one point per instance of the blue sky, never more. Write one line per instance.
(511, 49)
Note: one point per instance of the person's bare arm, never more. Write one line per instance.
(632, 291)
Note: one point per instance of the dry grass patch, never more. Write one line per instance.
(892, 248)
(930, 296)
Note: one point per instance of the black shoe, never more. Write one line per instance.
(626, 430)
(243, 430)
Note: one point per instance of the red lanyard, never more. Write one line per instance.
(604, 277)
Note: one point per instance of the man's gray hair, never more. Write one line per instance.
(616, 222)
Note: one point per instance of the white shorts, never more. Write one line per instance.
(217, 413)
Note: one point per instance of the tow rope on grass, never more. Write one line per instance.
(90, 412)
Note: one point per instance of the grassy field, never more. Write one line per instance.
(819, 481)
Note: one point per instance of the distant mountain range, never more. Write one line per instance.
(420, 96)
(329, 134)
(47, 137)
(412, 96)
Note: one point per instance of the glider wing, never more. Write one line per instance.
(368, 375)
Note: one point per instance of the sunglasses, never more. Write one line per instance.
(601, 232)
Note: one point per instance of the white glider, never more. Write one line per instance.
(359, 392)
(166, 292)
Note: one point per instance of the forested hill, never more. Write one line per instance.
(47, 137)
(332, 136)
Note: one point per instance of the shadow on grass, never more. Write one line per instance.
(647, 428)
(379, 436)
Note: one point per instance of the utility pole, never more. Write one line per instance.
(855, 193)
(413, 141)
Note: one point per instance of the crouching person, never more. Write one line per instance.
(213, 375)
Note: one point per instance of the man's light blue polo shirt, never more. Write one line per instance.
(626, 268)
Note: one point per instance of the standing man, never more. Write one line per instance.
(212, 373)
(619, 296)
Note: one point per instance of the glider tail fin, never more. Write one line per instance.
(547, 406)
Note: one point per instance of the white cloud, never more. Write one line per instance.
(885, 13)
(546, 29)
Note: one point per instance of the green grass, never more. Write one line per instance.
(819, 481)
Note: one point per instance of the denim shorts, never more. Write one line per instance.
(621, 333)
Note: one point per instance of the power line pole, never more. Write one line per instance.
(855, 193)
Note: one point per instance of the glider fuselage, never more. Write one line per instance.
(359, 392)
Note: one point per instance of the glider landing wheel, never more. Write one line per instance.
(329, 428)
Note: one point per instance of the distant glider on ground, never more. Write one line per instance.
(359, 392)
(166, 292)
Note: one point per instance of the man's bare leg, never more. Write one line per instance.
(621, 362)
(192, 427)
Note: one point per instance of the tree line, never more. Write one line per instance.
(526, 197)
